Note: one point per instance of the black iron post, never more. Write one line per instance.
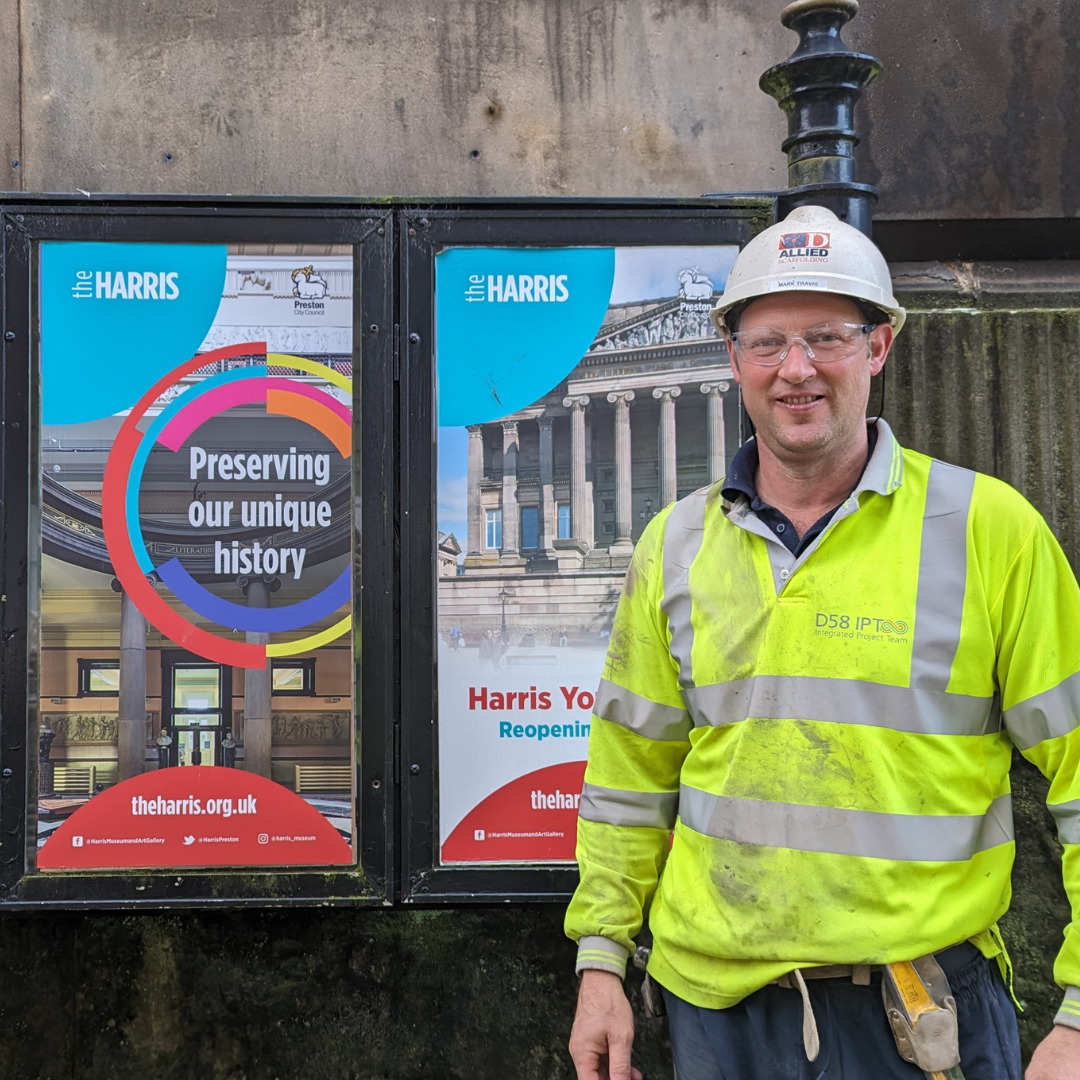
(46, 769)
(817, 87)
(503, 597)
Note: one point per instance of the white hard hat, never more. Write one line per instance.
(811, 250)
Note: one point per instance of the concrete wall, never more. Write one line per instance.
(975, 114)
(421, 97)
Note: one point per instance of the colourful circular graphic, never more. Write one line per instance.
(170, 428)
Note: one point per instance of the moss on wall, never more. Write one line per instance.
(259, 995)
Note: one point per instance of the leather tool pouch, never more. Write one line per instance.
(650, 992)
(922, 1013)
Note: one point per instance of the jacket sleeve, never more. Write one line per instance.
(1039, 681)
(637, 743)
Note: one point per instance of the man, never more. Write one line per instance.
(816, 675)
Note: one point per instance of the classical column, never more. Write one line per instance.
(510, 542)
(578, 518)
(131, 707)
(623, 486)
(669, 486)
(547, 483)
(475, 473)
(715, 400)
(258, 737)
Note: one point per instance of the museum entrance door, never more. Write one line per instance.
(198, 695)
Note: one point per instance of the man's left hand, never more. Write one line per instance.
(1057, 1057)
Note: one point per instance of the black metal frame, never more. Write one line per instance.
(86, 669)
(422, 232)
(395, 244)
(370, 229)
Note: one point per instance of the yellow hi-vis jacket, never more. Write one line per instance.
(824, 741)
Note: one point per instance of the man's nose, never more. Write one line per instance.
(796, 363)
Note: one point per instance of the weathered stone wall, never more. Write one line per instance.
(341, 995)
(975, 114)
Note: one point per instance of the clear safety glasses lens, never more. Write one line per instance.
(824, 344)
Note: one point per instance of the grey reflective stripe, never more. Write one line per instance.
(612, 806)
(939, 604)
(1069, 1013)
(683, 533)
(1048, 715)
(842, 701)
(601, 953)
(596, 943)
(1067, 816)
(864, 833)
(665, 723)
(884, 472)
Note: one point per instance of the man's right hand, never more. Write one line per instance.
(603, 1029)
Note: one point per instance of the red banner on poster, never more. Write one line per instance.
(531, 819)
(194, 816)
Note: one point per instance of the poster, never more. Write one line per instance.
(196, 574)
(580, 390)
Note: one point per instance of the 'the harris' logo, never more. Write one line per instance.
(170, 428)
(126, 285)
(517, 288)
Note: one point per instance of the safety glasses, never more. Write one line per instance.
(823, 344)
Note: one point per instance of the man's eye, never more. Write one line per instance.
(767, 343)
(824, 337)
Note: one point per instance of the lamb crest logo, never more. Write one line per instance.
(694, 285)
(307, 285)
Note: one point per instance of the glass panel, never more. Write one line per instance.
(197, 446)
(288, 678)
(104, 680)
(196, 688)
(529, 527)
(195, 747)
(590, 367)
(494, 529)
(192, 720)
(564, 521)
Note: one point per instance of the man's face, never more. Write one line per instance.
(805, 410)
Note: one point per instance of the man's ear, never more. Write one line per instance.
(734, 362)
(881, 339)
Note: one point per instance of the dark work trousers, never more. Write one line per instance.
(761, 1037)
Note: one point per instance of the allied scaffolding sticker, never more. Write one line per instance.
(196, 502)
(579, 391)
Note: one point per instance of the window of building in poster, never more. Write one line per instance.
(580, 390)
(195, 663)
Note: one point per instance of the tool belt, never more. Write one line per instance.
(918, 1004)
